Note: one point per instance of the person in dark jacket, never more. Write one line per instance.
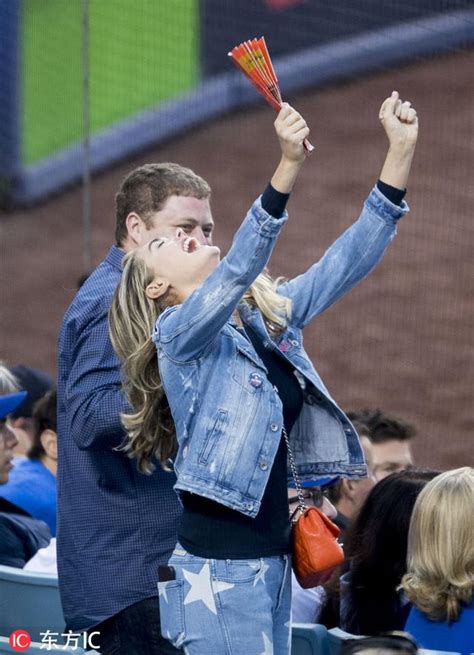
(365, 600)
(21, 536)
(32, 482)
(36, 383)
(108, 558)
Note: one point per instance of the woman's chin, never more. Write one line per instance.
(213, 255)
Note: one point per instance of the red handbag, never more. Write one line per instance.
(315, 549)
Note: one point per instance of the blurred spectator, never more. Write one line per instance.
(36, 383)
(346, 495)
(365, 600)
(10, 398)
(8, 401)
(440, 572)
(316, 495)
(388, 643)
(305, 601)
(32, 483)
(390, 439)
(20, 535)
(341, 500)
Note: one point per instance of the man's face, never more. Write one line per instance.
(24, 432)
(390, 457)
(313, 496)
(8, 441)
(192, 215)
(360, 489)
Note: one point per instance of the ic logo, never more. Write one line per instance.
(20, 640)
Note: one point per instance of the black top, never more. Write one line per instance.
(209, 529)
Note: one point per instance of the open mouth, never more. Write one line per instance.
(190, 245)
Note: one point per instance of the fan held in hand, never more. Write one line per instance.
(253, 59)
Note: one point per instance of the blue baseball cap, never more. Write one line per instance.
(316, 482)
(36, 383)
(10, 401)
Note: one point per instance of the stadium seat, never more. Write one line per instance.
(336, 637)
(309, 639)
(29, 601)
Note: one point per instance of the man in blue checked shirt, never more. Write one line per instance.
(116, 525)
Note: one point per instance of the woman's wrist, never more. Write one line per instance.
(396, 168)
(285, 175)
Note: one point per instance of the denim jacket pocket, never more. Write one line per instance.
(171, 596)
(213, 436)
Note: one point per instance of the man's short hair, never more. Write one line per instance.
(146, 189)
(382, 427)
(44, 418)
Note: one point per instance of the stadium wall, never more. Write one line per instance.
(155, 71)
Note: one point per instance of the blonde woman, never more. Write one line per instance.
(236, 379)
(440, 576)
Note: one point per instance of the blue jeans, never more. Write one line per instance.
(227, 607)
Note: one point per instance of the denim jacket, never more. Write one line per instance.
(228, 416)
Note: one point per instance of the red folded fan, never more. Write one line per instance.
(253, 59)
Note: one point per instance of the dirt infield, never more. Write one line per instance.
(403, 339)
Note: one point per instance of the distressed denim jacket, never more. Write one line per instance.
(228, 416)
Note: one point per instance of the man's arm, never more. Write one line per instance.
(94, 398)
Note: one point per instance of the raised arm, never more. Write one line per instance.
(185, 331)
(360, 248)
(400, 122)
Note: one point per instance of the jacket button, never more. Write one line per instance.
(249, 506)
(274, 427)
(263, 466)
(294, 342)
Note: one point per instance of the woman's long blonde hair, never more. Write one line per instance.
(132, 317)
(440, 572)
